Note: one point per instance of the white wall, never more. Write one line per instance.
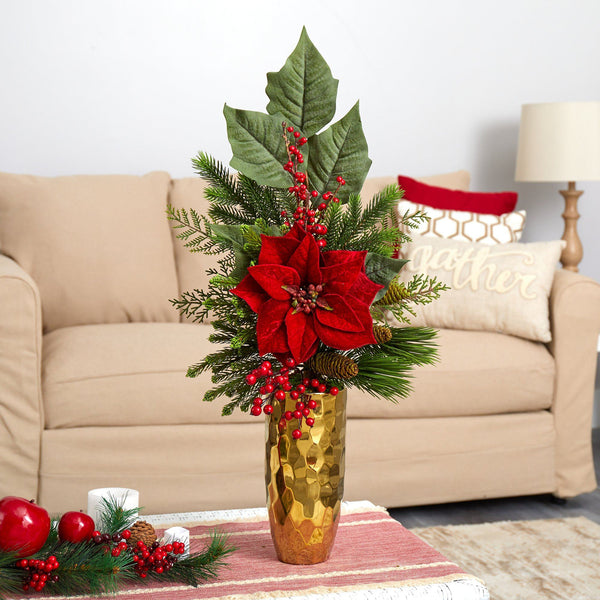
(134, 85)
(130, 86)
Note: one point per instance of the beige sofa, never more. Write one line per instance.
(93, 357)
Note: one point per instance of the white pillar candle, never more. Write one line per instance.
(126, 498)
(178, 534)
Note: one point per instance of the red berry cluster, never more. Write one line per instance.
(39, 573)
(157, 558)
(275, 388)
(305, 214)
(119, 538)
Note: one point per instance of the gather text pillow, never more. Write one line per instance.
(503, 288)
(492, 203)
(465, 226)
(98, 246)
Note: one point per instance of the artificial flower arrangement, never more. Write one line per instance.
(307, 276)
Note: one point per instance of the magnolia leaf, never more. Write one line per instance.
(340, 150)
(303, 91)
(228, 233)
(235, 238)
(382, 270)
(242, 262)
(258, 146)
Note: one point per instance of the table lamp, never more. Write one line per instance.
(560, 141)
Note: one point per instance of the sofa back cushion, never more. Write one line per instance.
(98, 246)
(188, 194)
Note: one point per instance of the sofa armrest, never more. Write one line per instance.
(575, 325)
(21, 416)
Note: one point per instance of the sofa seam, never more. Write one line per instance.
(111, 375)
(466, 452)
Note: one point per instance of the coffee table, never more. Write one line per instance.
(374, 557)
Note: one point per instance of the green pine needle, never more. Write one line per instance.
(385, 371)
(87, 568)
(113, 518)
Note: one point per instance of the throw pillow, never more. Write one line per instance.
(496, 203)
(503, 288)
(456, 180)
(464, 226)
(98, 246)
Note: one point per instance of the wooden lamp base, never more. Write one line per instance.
(573, 253)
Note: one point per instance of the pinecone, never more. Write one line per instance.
(143, 531)
(333, 365)
(394, 295)
(382, 334)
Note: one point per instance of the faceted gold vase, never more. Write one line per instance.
(305, 479)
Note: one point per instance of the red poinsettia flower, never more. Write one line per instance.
(303, 296)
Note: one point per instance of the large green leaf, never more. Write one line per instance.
(258, 147)
(382, 269)
(233, 235)
(340, 150)
(228, 233)
(303, 91)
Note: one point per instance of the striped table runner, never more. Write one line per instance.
(374, 557)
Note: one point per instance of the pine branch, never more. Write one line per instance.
(381, 206)
(239, 200)
(191, 225)
(89, 568)
(200, 566)
(86, 568)
(113, 518)
(350, 227)
(385, 371)
(11, 579)
(420, 290)
(413, 220)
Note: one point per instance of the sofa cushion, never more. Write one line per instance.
(478, 373)
(98, 246)
(134, 374)
(128, 374)
(188, 193)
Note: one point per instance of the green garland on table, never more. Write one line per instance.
(91, 568)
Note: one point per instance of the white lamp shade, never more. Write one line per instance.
(559, 141)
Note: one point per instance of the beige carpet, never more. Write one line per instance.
(552, 559)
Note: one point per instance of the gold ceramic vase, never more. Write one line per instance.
(305, 479)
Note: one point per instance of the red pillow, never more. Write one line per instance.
(496, 203)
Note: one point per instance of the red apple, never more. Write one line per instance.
(24, 526)
(75, 527)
